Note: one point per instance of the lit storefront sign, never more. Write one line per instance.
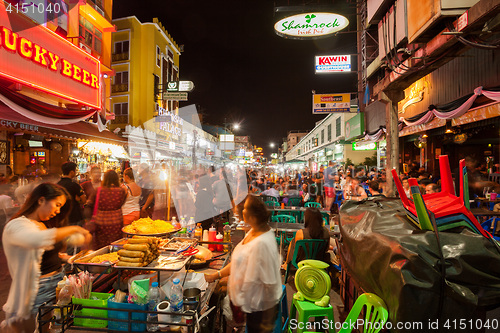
(310, 25)
(41, 59)
(172, 125)
(364, 145)
(328, 103)
(355, 126)
(332, 64)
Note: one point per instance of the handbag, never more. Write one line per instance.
(90, 225)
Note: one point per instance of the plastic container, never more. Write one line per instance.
(191, 225)
(183, 227)
(101, 302)
(122, 326)
(212, 238)
(154, 298)
(176, 300)
(219, 238)
(205, 237)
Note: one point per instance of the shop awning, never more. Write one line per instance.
(10, 119)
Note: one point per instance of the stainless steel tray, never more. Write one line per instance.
(186, 241)
(84, 265)
(163, 234)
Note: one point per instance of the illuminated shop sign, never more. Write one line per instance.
(172, 125)
(39, 58)
(328, 103)
(310, 25)
(364, 145)
(333, 64)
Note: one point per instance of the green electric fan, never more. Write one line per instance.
(313, 282)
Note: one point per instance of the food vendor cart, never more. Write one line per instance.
(105, 315)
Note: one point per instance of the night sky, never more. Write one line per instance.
(244, 72)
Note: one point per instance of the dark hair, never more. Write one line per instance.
(258, 209)
(211, 168)
(374, 185)
(129, 173)
(49, 191)
(424, 181)
(67, 167)
(313, 221)
(110, 179)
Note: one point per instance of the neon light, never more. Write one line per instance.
(26, 56)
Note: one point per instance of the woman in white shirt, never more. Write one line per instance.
(35, 229)
(130, 209)
(254, 284)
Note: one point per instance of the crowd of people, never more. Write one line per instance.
(51, 209)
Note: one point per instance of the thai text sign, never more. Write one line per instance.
(39, 58)
(333, 64)
(328, 103)
(310, 25)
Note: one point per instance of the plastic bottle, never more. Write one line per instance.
(219, 238)
(212, 238)
(175, 223)
(227, 236)
(176, 300)
(154, 298)
(198, 232)
(190, 227)
(183, 227)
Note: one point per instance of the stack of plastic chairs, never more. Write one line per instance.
(450, 211)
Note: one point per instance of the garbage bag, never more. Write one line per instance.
(386, 255)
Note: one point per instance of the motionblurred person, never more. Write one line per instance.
(130, 209)
(75, 191)
(32, 240)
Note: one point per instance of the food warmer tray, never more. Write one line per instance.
(94, 268)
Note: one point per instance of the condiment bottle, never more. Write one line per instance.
(212, 238)
(219, 238)
(198, 232)
(205, 237)
(227, 237)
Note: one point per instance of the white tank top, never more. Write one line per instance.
(131, 203)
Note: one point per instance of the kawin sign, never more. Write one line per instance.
(37, 57)
(310, 25)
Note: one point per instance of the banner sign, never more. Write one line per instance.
(41, 59)
(328, 103)
(332, 64)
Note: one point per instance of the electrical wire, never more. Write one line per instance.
(467, 42)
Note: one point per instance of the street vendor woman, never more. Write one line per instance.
(31, 241)
(254, 284)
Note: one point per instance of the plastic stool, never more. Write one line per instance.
(306, 310)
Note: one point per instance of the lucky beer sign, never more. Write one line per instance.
(39, 58)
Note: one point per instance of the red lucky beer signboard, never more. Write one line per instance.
(39, 58)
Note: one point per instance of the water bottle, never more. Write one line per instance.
(154, 298)
(176, 300)
(190, 227)
(183, 227)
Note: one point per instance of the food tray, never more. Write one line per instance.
(163, 234)
(155, 266)
(84, 264)
(186, 241)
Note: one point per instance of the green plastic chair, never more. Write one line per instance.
(375, 318)
(282, 218)
(272, 203)
(312, 204)
(294, 202)
(312, 248)
(267, 198)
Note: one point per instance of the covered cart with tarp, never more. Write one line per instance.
(383, 253)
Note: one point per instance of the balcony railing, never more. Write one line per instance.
(120, 120)
(116, 88)
(119, 56)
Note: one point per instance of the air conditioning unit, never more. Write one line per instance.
(85, 48)
(424, 15)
